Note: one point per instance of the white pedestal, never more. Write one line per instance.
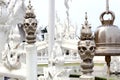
(31, 62)
(86, 77)
(20, 73)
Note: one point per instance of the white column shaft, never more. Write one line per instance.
(51, 27)
(31, 62)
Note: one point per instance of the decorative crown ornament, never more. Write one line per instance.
(29, 12)
(30, 24)
(86, 33)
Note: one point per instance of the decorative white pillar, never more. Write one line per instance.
(31, 61)
(51, 29)
(30, 26)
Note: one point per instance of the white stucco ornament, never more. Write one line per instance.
(3, 12)
(58, 59)
(11, 58)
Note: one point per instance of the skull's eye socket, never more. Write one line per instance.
(78, 48)
(18, 57)
(34, 24)
(89, 26)
(26, 24)
(83, 27)
(11, 55)
(92, 48)
(84, 48)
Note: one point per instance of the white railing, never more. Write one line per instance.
(70, 58)
(44, 59)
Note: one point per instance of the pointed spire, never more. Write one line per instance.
(29, 5)
(86, 33)
(29, 11)
(86, 22)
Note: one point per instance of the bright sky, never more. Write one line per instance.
(77, 11)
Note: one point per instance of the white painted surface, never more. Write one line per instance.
(4, 32)
(31, 62)
(20, 73)
(51, 27)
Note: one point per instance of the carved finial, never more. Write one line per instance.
(29, 11)
(30, 6)
(86, 16)
(86, 22)
(29, 1)
(86, 33)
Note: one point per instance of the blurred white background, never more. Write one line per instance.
(77, 11)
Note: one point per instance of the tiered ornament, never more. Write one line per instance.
(86, 48)
(30, 25)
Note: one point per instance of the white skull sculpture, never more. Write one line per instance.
(86, 49)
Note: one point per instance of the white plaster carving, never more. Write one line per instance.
(11, 57)
(16, 10)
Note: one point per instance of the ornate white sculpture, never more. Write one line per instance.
(12, 52)
(56, 71)
(9, 11)
(59, 28)
(72, 31)
(67, 5)
(3, 12)
(16, 10)
(7, 7)
(11, 57)
(58, 59)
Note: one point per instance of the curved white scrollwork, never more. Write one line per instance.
(58, 59)
(11, 57)
(3, 12)
(9, 11)
(17, 12)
